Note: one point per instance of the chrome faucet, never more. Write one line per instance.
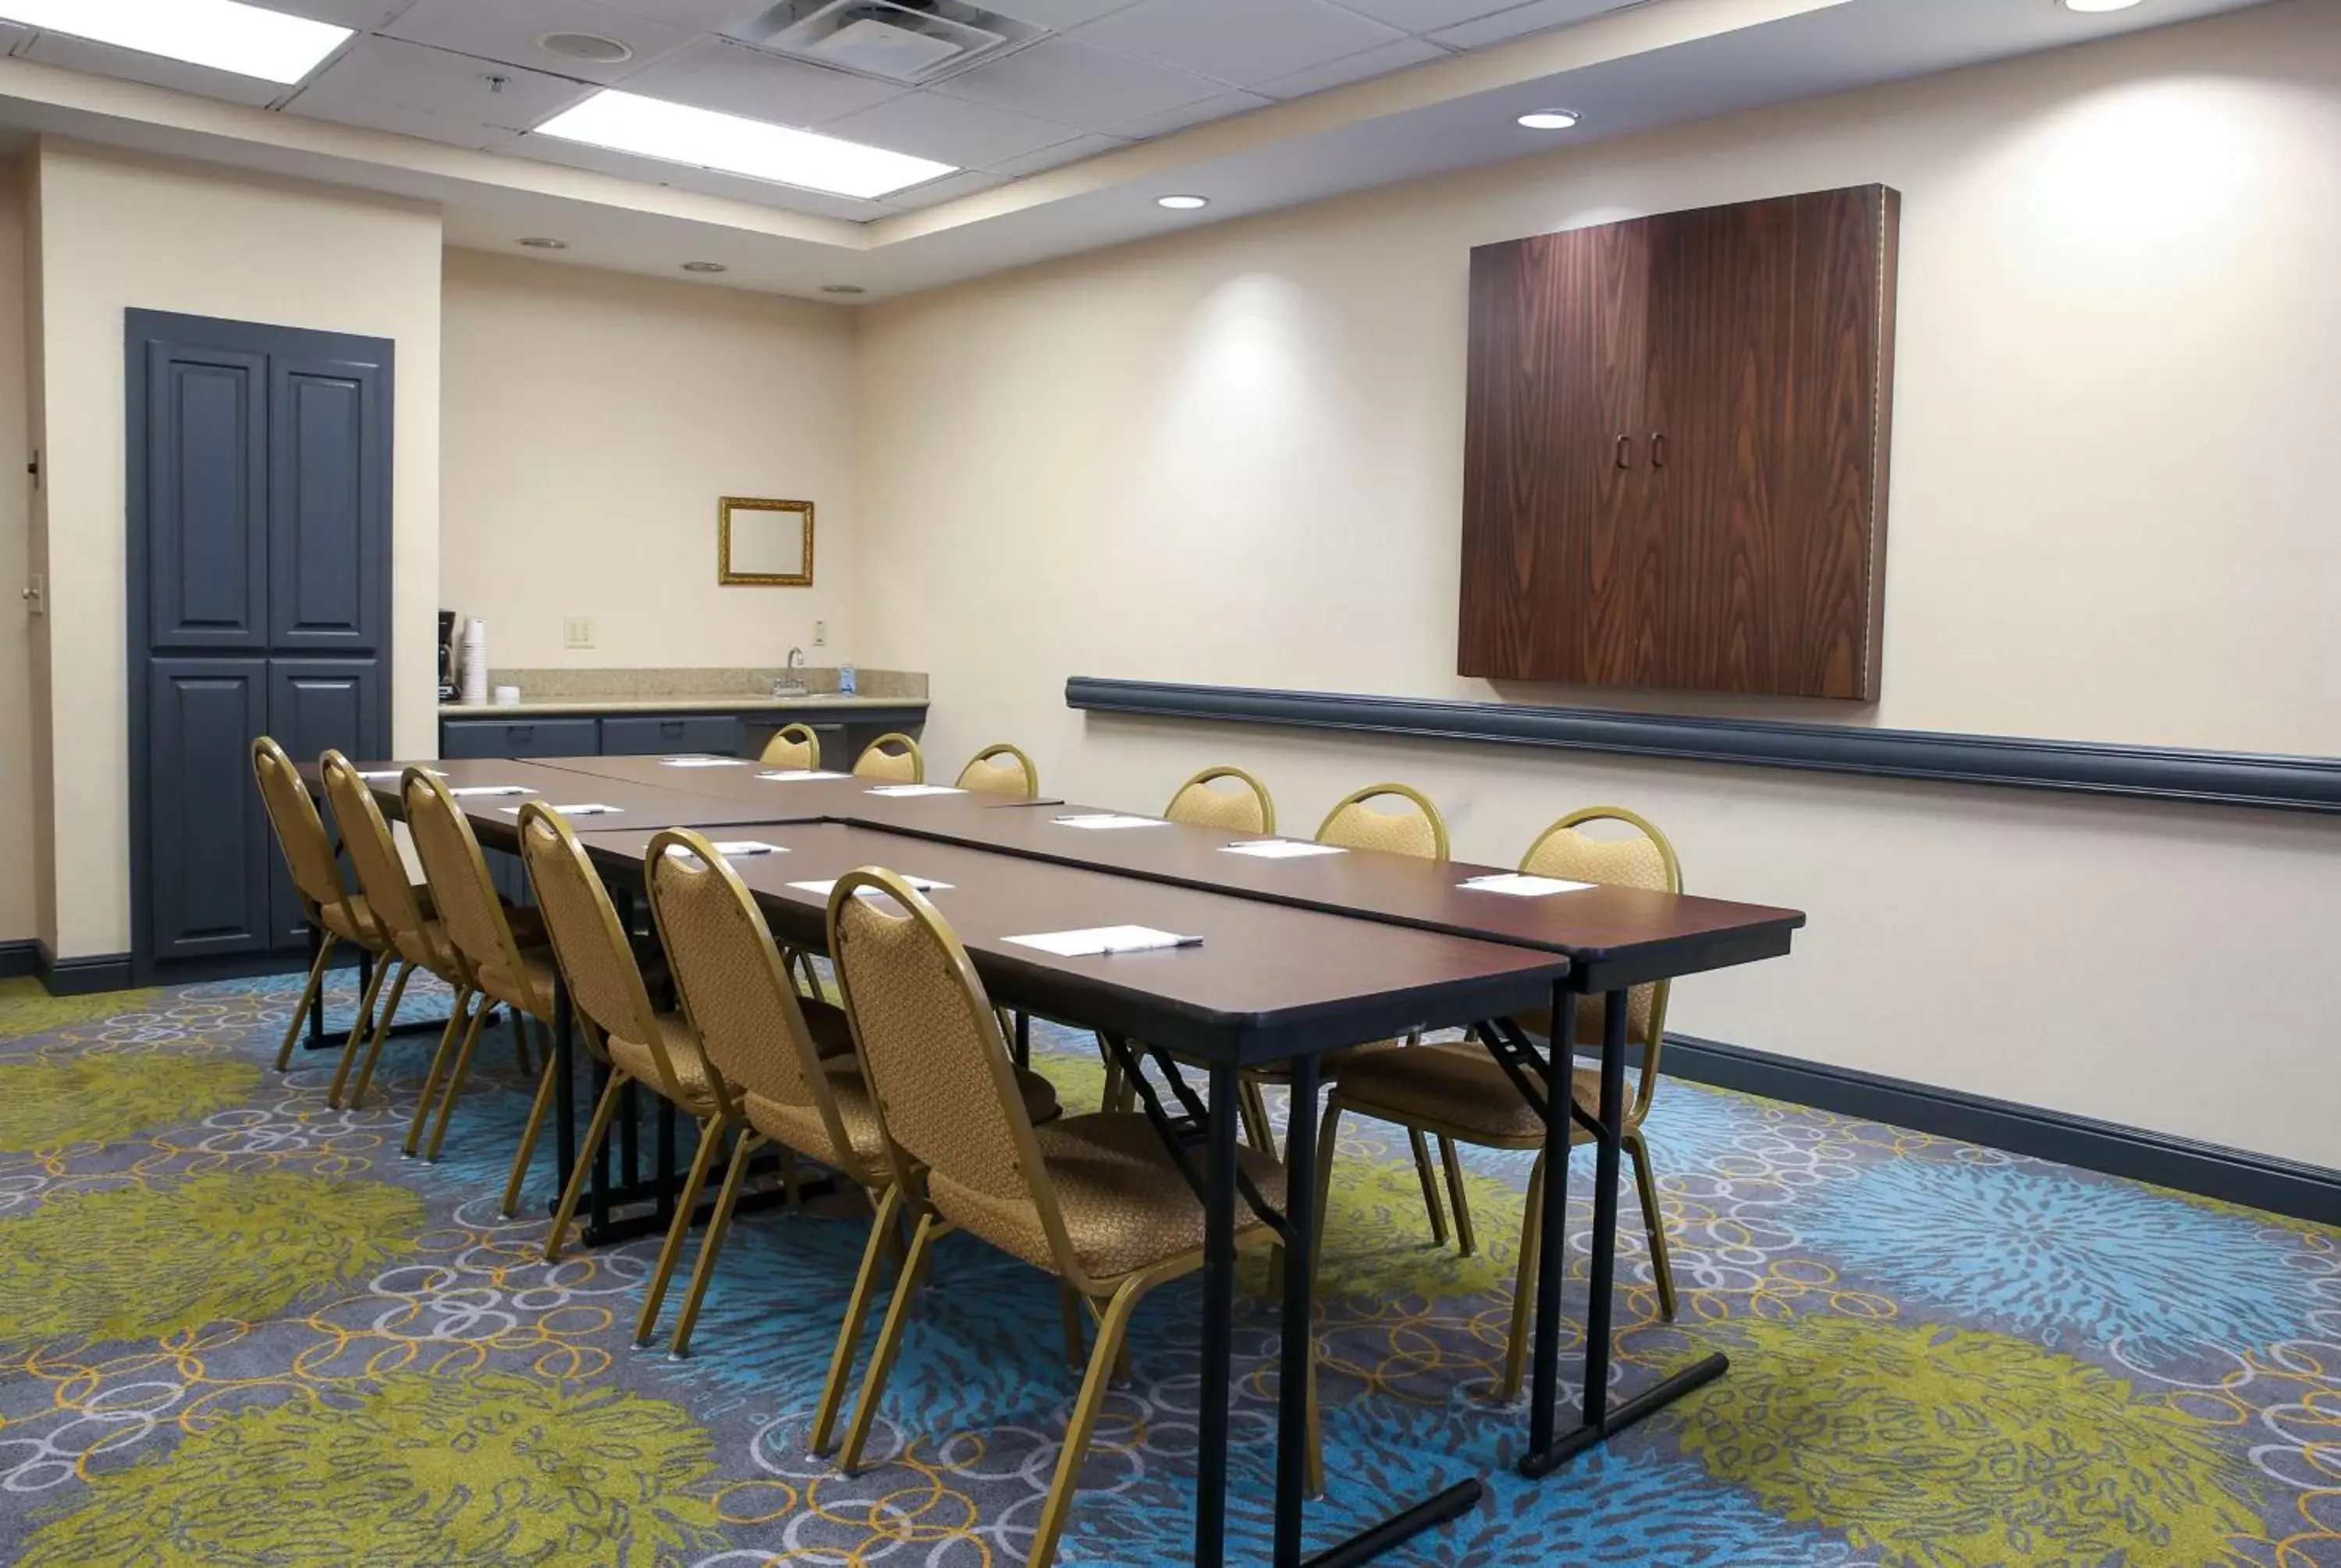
(792, 684)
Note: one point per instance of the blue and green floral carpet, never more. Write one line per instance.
(238, 1328)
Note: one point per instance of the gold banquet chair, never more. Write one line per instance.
(1094, 1200)
(332, 911)
(793, 745)
(1460, 1092)
(405, 915)
(638, 1043)
(1246, 809)
(1001, 769)
(786, 1071)
(892, 759)
(493, 961)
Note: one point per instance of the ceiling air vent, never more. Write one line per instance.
(912, 42)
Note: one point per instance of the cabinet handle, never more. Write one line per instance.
(522, 733)
(670, 726)
(1625, 452)
(1658, 449)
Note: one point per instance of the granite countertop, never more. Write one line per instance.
(743, 702)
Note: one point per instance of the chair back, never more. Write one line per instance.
(939, 1068)
(589, 941)
(1416, 827)
(1001, 769)
(734, 985)
(382, 871)
(300, 831)
(1246, 809)
(892, 760)
(1639, 858)
(462, 892)
(793, 745)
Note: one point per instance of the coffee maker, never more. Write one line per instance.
(447, 690)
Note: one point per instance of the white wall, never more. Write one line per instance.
(116, 233)
(1235, 456)
(18, 916)
(592, 421)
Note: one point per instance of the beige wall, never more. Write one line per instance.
(114, 234)
(593, 419)
(1234, 456)
(18, 919)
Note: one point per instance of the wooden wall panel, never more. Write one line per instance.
(1675, 465)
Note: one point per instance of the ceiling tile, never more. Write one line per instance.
(1425, 16)
(738, 80)
(1060, 79)
(697, 15)
(1361, 67)
(359, 14)
(771, 194)
(1072, 151)
(950, 130)
(378, 76)
(372, 114)
(950, 188)
(130, 65)
(1059, 14)
(1238, 41)
(11, 34)
(1179, 119)
(1533, 17)
(508, 31)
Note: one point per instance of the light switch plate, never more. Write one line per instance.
(577, 631)
(821, 634)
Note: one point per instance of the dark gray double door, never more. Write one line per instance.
(260, 603)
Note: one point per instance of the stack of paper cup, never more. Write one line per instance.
(475, 661)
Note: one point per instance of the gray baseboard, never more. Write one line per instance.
(83, 976)
(2259, 1181)
(18, 959)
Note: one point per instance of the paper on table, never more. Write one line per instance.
(800, 775)
(701, 762)
(588, 809)
(901, 792)
(749, 846)
(491, 790)
(1107, 821)
(1515, 885)
(1280, 848)
(823, 889)
(1100, 940)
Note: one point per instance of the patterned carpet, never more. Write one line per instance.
(236, 1329)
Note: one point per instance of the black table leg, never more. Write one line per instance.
(1218, 1318)
(668, 1178)
(598, 1188)
(317, 939)
(1552, 1236)
(1548, 1453)
(629, 1129)
(1024, 1039)
(565, 1087)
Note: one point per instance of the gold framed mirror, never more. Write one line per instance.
(763, 543)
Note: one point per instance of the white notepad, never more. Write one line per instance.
(1108, 821)
(1281, 850)
(586, 809)
(701, 762)
(1518, 885)
(470, 790)
(1100, 940)
(374, 773)
(823, 889)
(904, 791)
(800, 775)
(737, 847)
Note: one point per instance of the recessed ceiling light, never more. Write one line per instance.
(705, 267)
(591, 48)
(225, 35)
(1182, 204)
(735, 144)
(1549, 120)
(2090, 8)
(843, 289)
(545, 243)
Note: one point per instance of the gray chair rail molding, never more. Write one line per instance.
(2092, 768)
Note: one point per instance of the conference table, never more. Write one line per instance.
(1301, 953)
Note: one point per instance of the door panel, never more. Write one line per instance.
(530, 738)
(210, 850)
(207, 502)
(326, 507)
(717, 734)
(314, 704)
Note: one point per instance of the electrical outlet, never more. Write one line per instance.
(821, 634)
(577, 631)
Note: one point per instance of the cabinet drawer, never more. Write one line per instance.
(647, 735)
(461, 737)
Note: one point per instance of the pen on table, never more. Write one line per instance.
(1151, 947)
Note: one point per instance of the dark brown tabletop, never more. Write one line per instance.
(745, 779)
(1268, 981)
(495, 819)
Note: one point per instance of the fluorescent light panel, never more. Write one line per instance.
(225, 35)
(735, 144)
